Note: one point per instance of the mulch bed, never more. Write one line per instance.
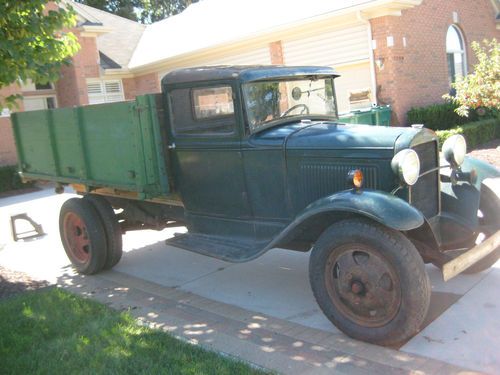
(15, 282)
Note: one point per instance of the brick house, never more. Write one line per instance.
(399, 52)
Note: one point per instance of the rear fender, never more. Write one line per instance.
(379, 206)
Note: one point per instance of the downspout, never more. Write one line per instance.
(371, 55)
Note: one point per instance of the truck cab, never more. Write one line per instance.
(250, 158)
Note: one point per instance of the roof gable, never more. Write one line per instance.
(122, 38)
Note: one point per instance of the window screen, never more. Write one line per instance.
(203, 111)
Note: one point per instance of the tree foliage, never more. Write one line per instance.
(122, 8)
(32, 43)
(155, 10)
(145, 11)
(481, 89)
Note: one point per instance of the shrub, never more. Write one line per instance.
(439, 116)
(475, 133)
(480, 89)
(10, 180)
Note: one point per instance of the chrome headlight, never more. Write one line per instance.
(454, 150)
(406, 165)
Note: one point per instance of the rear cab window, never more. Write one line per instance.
(203, 110)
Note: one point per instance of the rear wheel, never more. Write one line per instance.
(370, 281)
(82, 235)
(111, 227)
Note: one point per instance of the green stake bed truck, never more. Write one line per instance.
(252, 158)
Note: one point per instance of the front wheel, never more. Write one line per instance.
(370, 282)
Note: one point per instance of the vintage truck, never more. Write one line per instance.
(253, 158)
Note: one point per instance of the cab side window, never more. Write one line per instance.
(203, 111)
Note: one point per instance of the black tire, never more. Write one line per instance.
(490, 209)
(82, 236)
(111, 227)
(370, 281)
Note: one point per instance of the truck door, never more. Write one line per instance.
(205, 150)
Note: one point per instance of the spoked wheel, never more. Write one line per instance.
(370, 281)
(82, 236)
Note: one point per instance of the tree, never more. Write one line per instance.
(122, 8)
(156, 10)
(480, 89)
(32, 43)
(145, 11)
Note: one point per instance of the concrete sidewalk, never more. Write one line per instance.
(262, 311)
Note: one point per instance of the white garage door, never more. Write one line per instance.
(258, 56)
(345, 49)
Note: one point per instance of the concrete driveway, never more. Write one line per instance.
(462, 328)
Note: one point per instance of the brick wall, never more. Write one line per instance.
(8, 154)
(417, 74)
(145, 84)
(7, 146)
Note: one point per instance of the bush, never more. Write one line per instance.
(475, 133)
(10, 180)
(439, 116)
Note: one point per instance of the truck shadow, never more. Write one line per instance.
(241, 333)
(276, 283)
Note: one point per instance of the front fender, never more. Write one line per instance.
(462, 200)
(379, 206)
(483, 170)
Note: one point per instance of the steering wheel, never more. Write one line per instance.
(304, 107)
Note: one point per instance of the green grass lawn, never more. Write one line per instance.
(54, 332)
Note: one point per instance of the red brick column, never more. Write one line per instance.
(145, 84)
(276, 52)
(72, 87)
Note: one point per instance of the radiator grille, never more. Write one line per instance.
(424, 195)
(322, 179)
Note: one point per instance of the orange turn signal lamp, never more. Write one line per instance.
(355, 178)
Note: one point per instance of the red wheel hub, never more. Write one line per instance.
(76, 237)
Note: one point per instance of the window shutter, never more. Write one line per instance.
(105, 91)
(96, 94)
(113, 90)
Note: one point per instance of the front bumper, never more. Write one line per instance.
(467, 259)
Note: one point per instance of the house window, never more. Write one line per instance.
(38, 95)
(455, 53)
(33, 103)
(105, 91)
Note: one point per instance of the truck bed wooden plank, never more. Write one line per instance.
(110, 145)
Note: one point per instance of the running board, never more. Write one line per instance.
(224, 248)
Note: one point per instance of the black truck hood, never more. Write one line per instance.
(327, 135)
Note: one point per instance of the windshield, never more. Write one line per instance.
(269, 101)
